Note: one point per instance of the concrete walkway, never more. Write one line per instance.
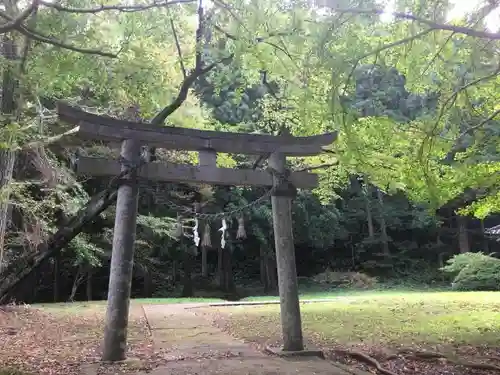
(192, 345)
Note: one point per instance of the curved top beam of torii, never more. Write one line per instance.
(104, 128)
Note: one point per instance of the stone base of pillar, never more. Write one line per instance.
(290, 354)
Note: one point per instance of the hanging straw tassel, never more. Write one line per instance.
(178, 232)
(223, 235)
(241, 234)
(207, 240)
(196, 236)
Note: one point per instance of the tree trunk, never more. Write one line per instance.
(441, 256)
(220, 268)
(147, 284)
(369, 217)
(486, 246)
(263, 275)
(89, 284)
(204, 263)
(383, 226)
(187, 281)
(55, 287)
(463, 235)
(7, 154)
(79, 278)
(175, 271)
(122, 259)
(229, 285)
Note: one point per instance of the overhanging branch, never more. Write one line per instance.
(178, 46)
(434, 25)
(184, 89)
(14, 23)
(484, 122)
(40, 37)
(118, 7)
(316, 167)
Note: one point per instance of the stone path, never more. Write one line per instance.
(194, 346)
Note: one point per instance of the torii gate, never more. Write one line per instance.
(132, 136)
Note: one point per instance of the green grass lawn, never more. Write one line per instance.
(307, 294)
(336, 293)
(386, 318)
(68, 306)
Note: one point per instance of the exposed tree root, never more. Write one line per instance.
(366, 359)
(456, 361)
(419, 355)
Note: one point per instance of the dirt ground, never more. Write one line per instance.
(163, 339)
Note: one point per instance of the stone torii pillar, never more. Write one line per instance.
(122, 261)
(285, 255)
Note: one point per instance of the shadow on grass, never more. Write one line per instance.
(382, 318)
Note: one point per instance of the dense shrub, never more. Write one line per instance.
(355, 280)
(474, 271)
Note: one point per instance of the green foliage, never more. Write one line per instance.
(354, 280)
(159, 226)
(86, 252)
(474, 271)
(461, 261)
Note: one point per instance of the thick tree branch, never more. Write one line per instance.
(38, 36)
(395, 44)
(19, 270)
(27, 43)
(53, 139)
(14, 23)
(482, 123)
(316, 167)
(259, 40)
(118, 7)
(452, 98)
(199, 35)
(227, 7)
(184, 89)
(178, 46)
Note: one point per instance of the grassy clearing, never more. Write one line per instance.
(309, 294)
(392, 318)
(336, 293)
(100, 305)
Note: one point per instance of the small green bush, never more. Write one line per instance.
(474, 271)
(356, 280)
